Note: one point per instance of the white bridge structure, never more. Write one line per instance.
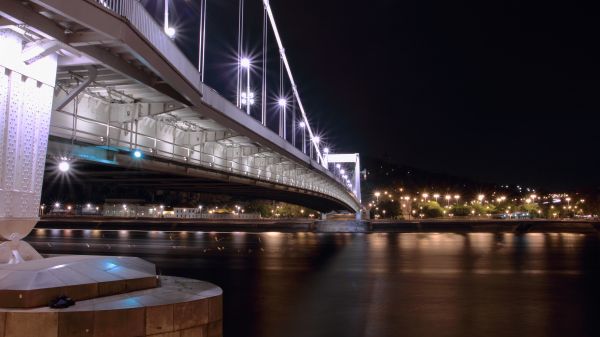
(101, 82)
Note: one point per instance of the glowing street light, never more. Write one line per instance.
(436, 196)
(377, 194)
(170, 31)
(448, 197)
(64, 166)
(247, 98)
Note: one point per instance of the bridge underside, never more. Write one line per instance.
(97, 167)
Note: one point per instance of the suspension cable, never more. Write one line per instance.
(291, 79)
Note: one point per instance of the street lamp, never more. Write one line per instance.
(448, 197)
(302, 125)
(245, 63)
(315, 142)
(170, 31)
(436, 196)
(377, 194)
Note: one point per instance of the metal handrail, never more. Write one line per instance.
(190, 157)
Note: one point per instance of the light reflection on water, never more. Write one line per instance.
(379, 284)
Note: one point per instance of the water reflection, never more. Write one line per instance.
(380, 284)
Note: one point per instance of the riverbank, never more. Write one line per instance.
(311, 225)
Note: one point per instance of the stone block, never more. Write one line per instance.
(141, 283)
(38, 324)
(81, 291)
(2, 320)
(167, 334)
(215, 329)
(199, 331)
(215, 308)
(112, 288)
(159, 319)
(119, 323)
(76, 323)
(190, 314)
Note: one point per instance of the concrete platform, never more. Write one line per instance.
(35, 283)
(178, 307)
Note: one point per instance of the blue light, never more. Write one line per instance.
(137, 154)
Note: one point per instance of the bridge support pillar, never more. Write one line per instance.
(26, 93)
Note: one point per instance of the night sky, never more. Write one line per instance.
(498, 91)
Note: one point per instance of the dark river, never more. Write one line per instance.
(397, 284)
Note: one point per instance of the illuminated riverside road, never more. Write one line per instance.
(380, 284)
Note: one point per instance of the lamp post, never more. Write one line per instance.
(315, 141)
(303, 127)
(245, 63)
(282, 118)
(170, 31)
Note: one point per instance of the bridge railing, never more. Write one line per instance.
(103, 133)
(145, 24)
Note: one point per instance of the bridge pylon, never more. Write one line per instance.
(339, 158)
(27, 80)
